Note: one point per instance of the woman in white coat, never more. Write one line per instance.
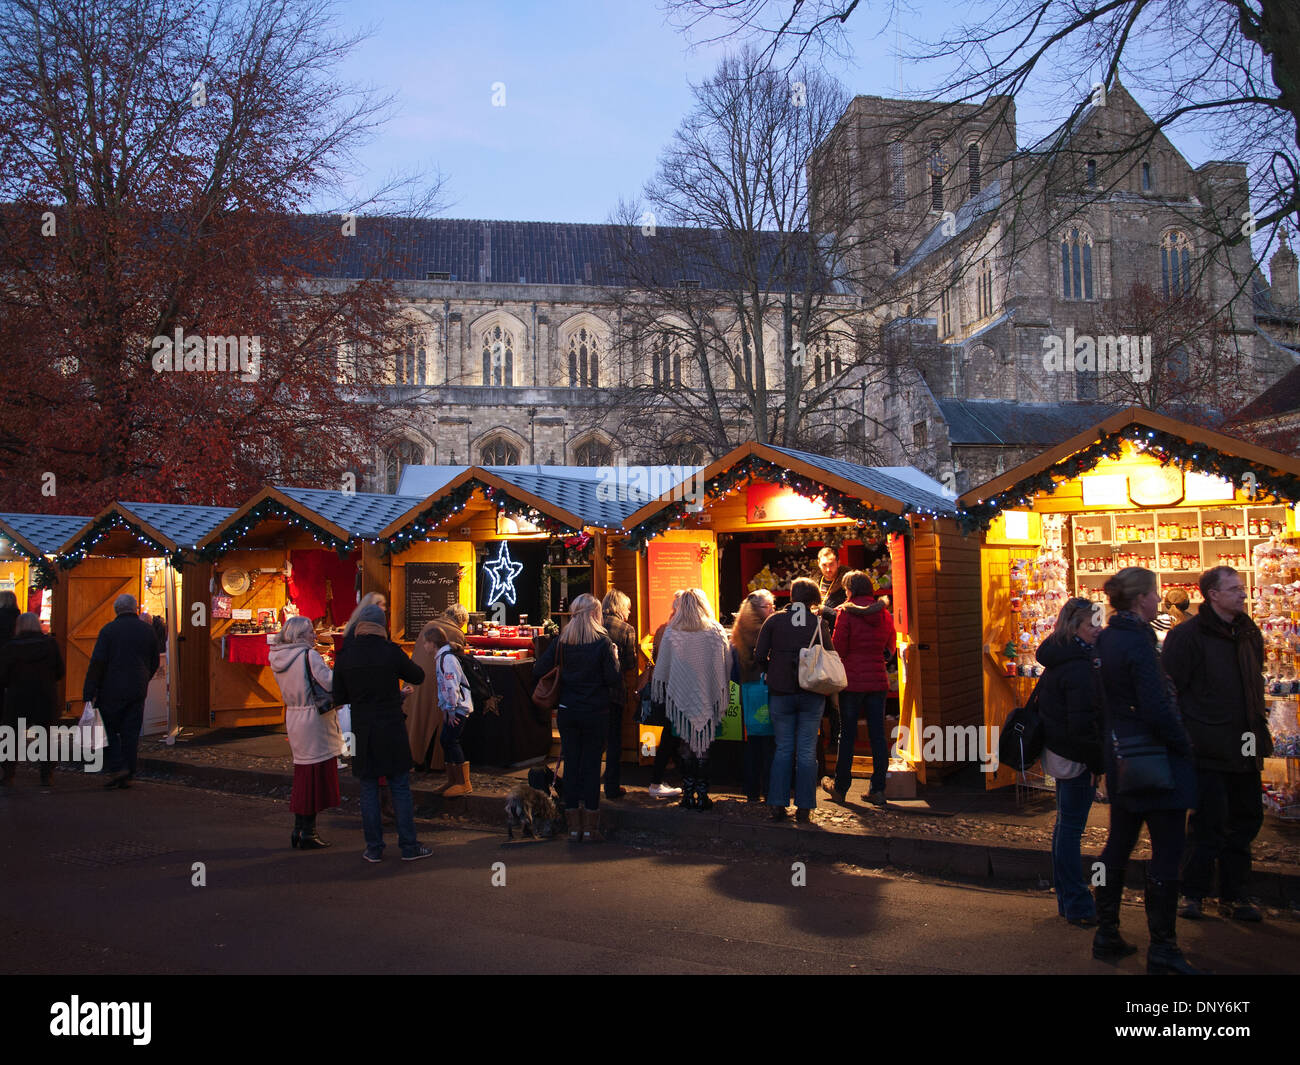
(314, 737)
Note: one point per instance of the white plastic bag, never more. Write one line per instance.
(92, 729)
(345, 726)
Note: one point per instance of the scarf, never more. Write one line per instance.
(370, 628)
(691, 681)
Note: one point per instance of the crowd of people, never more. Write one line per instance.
(1175, 726)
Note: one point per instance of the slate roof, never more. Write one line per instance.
(602, 496)
(184, 525)
(423, 481)
(874, 479)
(1283, 397)
(1001, 422)
(362, 514)
(987, 200)
(45, 532)
(538, 253)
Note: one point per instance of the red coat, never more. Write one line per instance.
(862, 640)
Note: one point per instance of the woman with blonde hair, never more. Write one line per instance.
(692, 681)
(314, 735)
(589, 682)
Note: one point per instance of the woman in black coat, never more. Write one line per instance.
(1140, 705)
(1070, 705)
(368, 673)
(30, 669)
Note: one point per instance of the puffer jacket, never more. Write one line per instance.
(862, 640)
(1070, 701)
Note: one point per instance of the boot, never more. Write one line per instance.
(1163, 956)
(440, 789)
(573, 818)
(1107, 945)
(310, 841)
(296, 836)
(460, 781)
(591, 827)
(688, 801)
(702, 800)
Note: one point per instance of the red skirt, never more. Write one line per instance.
(315, 788)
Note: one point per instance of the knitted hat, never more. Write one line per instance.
(374, 612)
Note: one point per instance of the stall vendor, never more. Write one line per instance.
(830, 585)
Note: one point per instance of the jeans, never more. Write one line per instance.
(1228, 815)
(1168, 830)
(852, 705)
(1073, 801)
(122, 731)
(451, 749)
(582, 739)
(371, 822)
(796, 720)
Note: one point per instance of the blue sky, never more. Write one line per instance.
(593, 92)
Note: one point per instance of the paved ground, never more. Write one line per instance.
(102, 882)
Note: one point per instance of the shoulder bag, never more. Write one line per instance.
(546, 696)
(318, 696)
(1141, 765)
(820, 668)
(1021, 742)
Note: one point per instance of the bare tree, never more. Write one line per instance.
(742, 319)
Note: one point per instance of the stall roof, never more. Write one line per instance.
(38, 535)
(171, 528)
(1213, 452)
(363, 514)
(602, 496)
(423, 481)
(878, 480)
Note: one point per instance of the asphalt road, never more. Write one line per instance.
(101, 882)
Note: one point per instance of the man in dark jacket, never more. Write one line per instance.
(1216, 661)
(117, 681)
(368, 674)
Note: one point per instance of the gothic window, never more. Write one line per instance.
(1092, 173)
(897, 176)
(666, 362)
(984, 290)
(945, 312)
(1085, 385)
(412, 359)
(498, 358)
(498, 452)
(583, 371)
(936, 176)
(1176, 264)
(1146, 177)
(973, 167)
(677, 368)
(827, 363)
(1179, 366)
(1076, 265)
(898, 258)
(592, 453)
(404, 453)
(920, 435)
(681, 453)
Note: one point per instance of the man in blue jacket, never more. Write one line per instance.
(124, 659)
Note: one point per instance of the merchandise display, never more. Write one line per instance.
(1038, 591)
(1275, 606)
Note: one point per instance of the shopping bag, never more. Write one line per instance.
(648, 738)
(753, 702)
(345, 726)
(820, 668)
(731, 726)
(91, 726)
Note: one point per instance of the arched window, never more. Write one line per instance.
(683, 453)
(1076, 265)
(984, 290)
(1146, 177)
(897, 176)
(1092, 173)
(936, 175)
(898, 257)
(498, 358)
(498, 451)
(1176, 264)
(973, 167)
(827, 363)
(664, 356)
(593, 453)
(583, 360)
(412, 360)
(404, 453)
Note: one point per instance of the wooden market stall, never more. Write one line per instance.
(146, 550)
(1138, 489)
(28, 545)
(756, 517)
(286, 551)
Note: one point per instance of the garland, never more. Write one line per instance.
(752, 467)
(101, 528)
(1167, 447)
(272, 508)
(455, 501)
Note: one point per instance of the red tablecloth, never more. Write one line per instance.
(250, 649)
(502, 642)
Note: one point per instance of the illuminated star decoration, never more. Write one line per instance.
(503, 573)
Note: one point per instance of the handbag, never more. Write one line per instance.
(1141, 766)
(753, 701)
(820, 668)
(546, 695)
(320, 698)
(1021, 742)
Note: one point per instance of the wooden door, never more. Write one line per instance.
(89, 591)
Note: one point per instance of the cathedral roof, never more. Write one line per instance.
(1282, 398)
(1001, 422)
(987, 200)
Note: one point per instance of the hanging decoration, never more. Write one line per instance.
(502, 572)
(1266, 484)
(454, 502)
(265, 510)
(105, 525)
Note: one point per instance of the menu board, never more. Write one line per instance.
(431, 587)
(672, 568)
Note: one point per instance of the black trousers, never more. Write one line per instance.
(1168, 830)
(582, 739)
(1227, 818)
(668, 746)
(122, 730)
(614, 747)
(759, 751)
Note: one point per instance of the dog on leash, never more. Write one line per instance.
(534, 811)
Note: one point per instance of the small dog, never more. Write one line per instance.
(532, 810)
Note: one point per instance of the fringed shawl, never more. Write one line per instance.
(692, 681)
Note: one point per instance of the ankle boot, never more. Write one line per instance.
(449, 770)
(296, 837)
(688, 800)
(1107, 945)
(591, 827)
(460, 781)
(702, 800)
(573, 819)
(310, 841)
(1163, 955)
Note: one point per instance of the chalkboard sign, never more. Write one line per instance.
(431, 587)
